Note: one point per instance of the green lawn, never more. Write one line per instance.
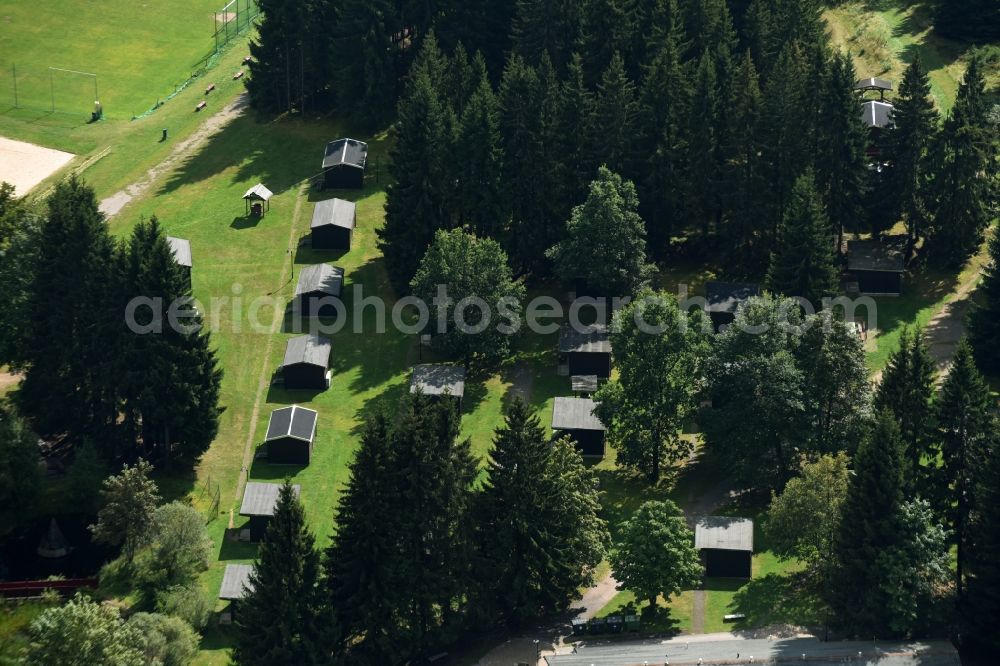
(15, 617)
(884, 35)
(139, 50)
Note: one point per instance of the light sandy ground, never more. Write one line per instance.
(24, 165)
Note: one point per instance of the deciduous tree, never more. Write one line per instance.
(130, 500)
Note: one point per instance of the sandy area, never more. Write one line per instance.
(24, 165)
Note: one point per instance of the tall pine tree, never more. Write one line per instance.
(984, 321)
(280, 617)
(802, 261)
(539, 533)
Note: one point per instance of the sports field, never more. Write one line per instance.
(139, 50)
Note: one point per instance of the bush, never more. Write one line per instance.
(185, 602)
(167, 641)
(179, 551)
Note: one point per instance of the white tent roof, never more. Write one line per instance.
(258, 191)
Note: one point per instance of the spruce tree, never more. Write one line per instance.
(802, 261)
(984, 320)
(605, 31)
(546, 27)
(69, 383)
(906, 392)
(663, 119)
(613, 124)
(279, 619)
(360, 579)
(870, 525)
(961, 191)
(365, 59)
(759, 33)
(573, 156)
(478, 159)
(841, 169)
(741, 177)
(277, 66)
(527, 176)
(964, 426)
(414, 206)
(977, 20)
(433, 474)
(914, 124)
(983, 577)
(703, 144)
(539, 536)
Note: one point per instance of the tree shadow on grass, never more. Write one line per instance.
(232, 549)
(779, 599)
(624, 491)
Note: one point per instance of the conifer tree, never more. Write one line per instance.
(759, 33)
(977, 20)
(69, 384)
(277, 65)
(527, 178)
(605, 31)
(741, 178)
(906, 392)
(615, 112)
(546, 27)
(983, 577)
(478, 160)
(364, 59)
(432, 477)
(703, 145)
(802, 261)
(870, 525)
(841, 169)
(964, 427)
(914, 124)
(984, 321)
(539, 535)
(663, 118)
(572, 129)
(360, 580)
(414, 206)
(961, 191)
(279, 618)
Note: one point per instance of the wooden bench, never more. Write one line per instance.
(201, 105)
(238, 75)
(733, 617)
(210, 88)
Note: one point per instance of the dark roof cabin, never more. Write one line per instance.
(235, 582)
(333, 223)
(575, 417)
(725, 545)
(439, 379)
(876, 114)
(257, 200)
(344, 164)
(307, 358)
(878, 265)
(259, 500)
(586, 351)
(181, 248)
(291, 432)
(317, 288)
(723, 300)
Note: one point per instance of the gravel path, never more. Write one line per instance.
(113, 204)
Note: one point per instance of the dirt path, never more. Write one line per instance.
(945, 329)
(596, 598)
(7, 381)
(114, 203)
(698, 612)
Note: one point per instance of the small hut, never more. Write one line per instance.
(306, 360)
(181, 248)
(873, 84)
(235, 586)
(259, 500)
(318, 286)
(439, 379)
(725, 545)
(586, 350)
(291, 432)
(575, 417)
(333, 223)
(878, 265)
(723, 300)
(876, 114)
(344, 164)
(257, 200)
